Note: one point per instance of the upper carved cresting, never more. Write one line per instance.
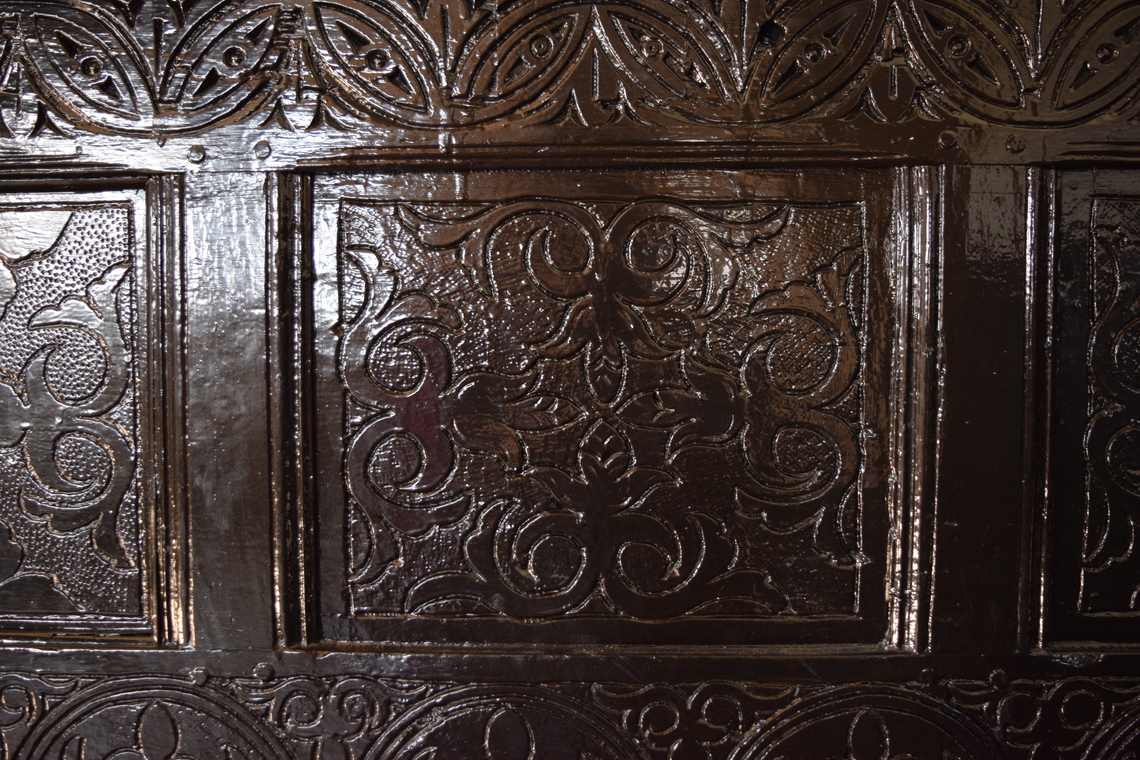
(175, 67)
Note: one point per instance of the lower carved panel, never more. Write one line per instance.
(359, 717)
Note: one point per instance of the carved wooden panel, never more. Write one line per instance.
(76, 502)
(538, 379)
(1098, 277)
(262, 717)
(185, 67)
(591, 401)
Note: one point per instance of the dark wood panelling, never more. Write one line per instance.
(592, 400)
(662, 379)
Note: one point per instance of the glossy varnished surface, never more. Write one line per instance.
(703, 379)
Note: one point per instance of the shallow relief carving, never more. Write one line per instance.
(1109, 572)
(352, 717)
(583, 409)
(172, 67)
(71, 504)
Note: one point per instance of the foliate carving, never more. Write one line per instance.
(151, 718)
(602, 408)
(360, 717)
(870, 723)
(701, 722)
(147, 68)
(501, 723)
(176, 67)
(70, 512)
(1112, 441)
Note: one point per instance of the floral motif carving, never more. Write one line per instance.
(175, 67)
(68, 411)
(555, 389)
(1113, 434)
(369, 718)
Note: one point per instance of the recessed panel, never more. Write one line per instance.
(1095, 505)
(638, 408)
(73, 507)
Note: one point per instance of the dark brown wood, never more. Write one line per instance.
(678, 379)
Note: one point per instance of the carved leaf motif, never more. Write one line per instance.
(673, 61)
(816, 53)
(972, 55)
(606, 478)
(711, 411)
(90, 61)
(488, 411)
(377, 60)
(521, 60)
(1103, 63)
(211, 65)
(157, 733)
(867, 739)
(508, 737)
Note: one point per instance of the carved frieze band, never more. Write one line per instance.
(169, 67)
(366, 718)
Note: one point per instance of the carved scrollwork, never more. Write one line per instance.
(1057, 719)
(553, 397)
(703, 722)
(1113, 436)
(343, 716)
(150, 718)
(67, 407)
(340, 719)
